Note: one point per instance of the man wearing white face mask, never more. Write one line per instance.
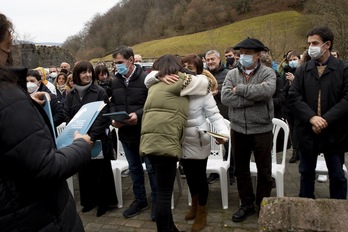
(319, 96)
(53, 73)
(247, 91)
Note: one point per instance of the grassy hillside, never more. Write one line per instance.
(279, 31)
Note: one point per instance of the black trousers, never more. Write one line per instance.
(165, 172)
(242, 147)
(196, 176)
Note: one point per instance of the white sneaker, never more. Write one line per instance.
(322, 178)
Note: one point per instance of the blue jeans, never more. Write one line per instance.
(137, 172)
(334, 163)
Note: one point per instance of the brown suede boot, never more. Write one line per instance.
(191, 214)
(201, 219)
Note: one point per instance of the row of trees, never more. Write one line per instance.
(135, 21)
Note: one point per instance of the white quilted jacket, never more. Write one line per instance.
(196, 145)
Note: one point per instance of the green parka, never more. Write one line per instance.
(164, 119)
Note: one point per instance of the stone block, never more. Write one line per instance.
(302, 214)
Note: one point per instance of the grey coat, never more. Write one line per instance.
(251, 106)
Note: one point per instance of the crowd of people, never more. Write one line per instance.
(308, 90)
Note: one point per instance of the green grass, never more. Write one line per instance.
(280, 32)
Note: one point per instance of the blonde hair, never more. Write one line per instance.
(67, 85)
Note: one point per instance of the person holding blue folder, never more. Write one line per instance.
(34, 193)
(96, 181)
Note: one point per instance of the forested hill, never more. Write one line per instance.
(133, 22)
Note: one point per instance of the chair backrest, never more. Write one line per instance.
(217, 151)
(277, 125)
(120, 152)
(60, 128)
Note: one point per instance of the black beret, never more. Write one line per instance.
(250, 43)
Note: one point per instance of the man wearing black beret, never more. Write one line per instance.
(247, 91)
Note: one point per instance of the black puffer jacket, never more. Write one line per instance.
(130, 98)
(34, 195)
(73, 103)
(220, 75)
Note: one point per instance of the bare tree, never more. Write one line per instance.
(332, 13)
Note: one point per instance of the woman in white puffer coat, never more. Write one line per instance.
(196, 145)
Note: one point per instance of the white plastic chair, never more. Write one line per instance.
(118, 166)
(121, 164)
(321, 168)
(60, 129)
(278, 168)
(217, 164)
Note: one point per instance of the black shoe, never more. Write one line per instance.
(135, 208)
(153, 211)
(213, 177)
(295, 156)
(103, 209)
(274, 183)
(87, 208)
(232, 180)
(243, 212)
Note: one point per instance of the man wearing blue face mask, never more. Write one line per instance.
(247, 91)
(129, 94)
(319, 97)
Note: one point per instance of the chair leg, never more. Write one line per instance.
(178, 179)
(279, 185)
(189, 198)
(224, 188)
(118, 186)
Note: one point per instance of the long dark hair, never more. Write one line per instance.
(167, 64)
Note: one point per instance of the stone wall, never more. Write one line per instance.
(303, 215)
(32, 56)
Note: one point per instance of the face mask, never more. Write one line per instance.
(293, 63)
(230, 61)
(246, 60)
(53, 75)
(32, 87)
(315, 51)
(122, 69)
(138, 64)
